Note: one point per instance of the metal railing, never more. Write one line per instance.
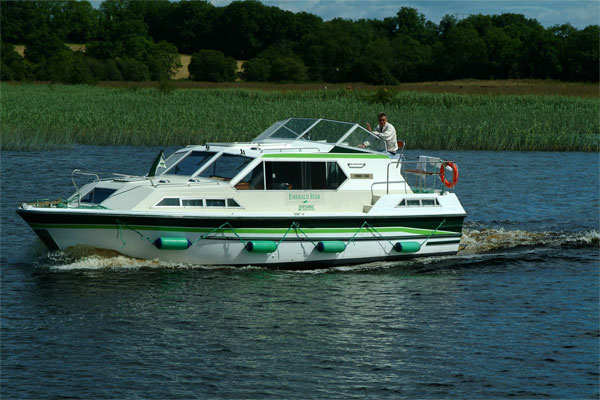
(421, 175)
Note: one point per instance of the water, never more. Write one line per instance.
(516, 314)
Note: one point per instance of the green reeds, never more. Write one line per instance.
(38, 116)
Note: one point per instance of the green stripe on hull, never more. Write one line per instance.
(282, 231)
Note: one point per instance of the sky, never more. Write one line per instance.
(579, 13)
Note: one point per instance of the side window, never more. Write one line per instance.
(334, 176)
(255, 180)
(232, 203)
(169, 202)
(284, 175)
(291, 175)
(215, 202)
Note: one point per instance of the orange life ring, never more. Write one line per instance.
(454, 174)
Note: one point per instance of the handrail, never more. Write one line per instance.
(80, 172)
(387, 188)
(383, 183)
(299, 149)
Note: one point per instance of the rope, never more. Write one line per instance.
(295, 226)
(356, 233)
(304, 233)
(216, 230)
(433, 233)
(376, 233)
(285, 234)
(120, 232)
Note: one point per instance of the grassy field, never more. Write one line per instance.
(38, 116)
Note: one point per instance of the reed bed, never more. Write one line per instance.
(36, 116)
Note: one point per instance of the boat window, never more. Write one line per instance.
(255, 180)
(97, 195)
(429, 202)
(226, 167)
(327, 131)
(293, 175)
(170, 161)
(232, 203)
(169, 202)
(287, 129)
(192, 163)
(193, 202)
(418, 202)
(362, 137)
(215, 202)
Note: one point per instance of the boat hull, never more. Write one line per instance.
(223, 240)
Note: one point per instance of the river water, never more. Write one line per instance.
(515, 314)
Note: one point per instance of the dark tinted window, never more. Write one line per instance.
(215, 202)
(193, 202)
(255, 180)
(169, 202)
(97, 195)
(191, 163)
(292, 175)
(232, 203)
(226, 167)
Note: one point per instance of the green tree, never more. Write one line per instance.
(411, 23)
(82, 20)
(257, 69)
(133, 70)
(112, 71)
(212, 65)
(66, 66)
(411, 60)
(288, 69)
(582, 55)
(195, 22)
(331, 51)
(466, 53)
(20, 19)
(539, 55)
(14, 67)
(167, 59)
(41, 46)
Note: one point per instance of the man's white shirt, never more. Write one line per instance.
(387, 134)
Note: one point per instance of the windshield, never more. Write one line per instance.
(226, 167)
(191, 163)
(323, 130)
(172, 159)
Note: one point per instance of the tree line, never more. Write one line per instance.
(140, 40)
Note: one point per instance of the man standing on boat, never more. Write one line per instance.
(386, 132)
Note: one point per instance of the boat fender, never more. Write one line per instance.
(454, 168)
(172, 243)
(261, 246)
(407, 247)
(331, 246)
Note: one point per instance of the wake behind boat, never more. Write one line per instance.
(303, 194)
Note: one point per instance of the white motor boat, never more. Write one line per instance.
(303, 194)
